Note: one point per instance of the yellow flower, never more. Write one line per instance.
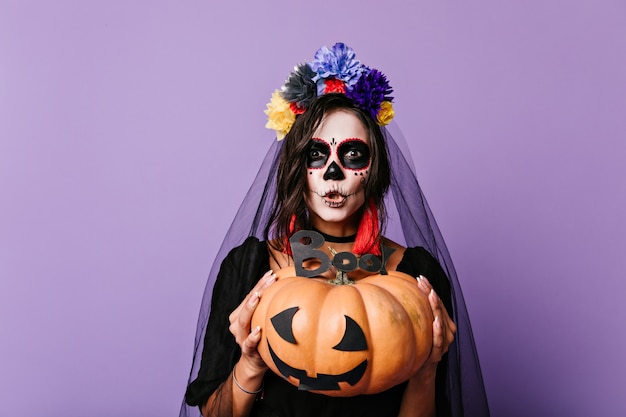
(279, 115)
(385, 114)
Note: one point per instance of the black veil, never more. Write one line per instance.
(410, 223)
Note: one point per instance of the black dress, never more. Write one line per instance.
(238, 274)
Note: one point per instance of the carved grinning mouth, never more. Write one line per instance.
(322, 381)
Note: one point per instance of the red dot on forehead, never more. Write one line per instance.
(334, 141)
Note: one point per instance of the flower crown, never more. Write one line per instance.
(333, 70)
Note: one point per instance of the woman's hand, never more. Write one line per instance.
(247, 338)
(443, 326)
(250, 369)
(419, 396)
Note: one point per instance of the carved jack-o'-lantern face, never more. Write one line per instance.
(353, 340)
(344, 340)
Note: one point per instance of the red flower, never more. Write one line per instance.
(333, 85)
(295, 109)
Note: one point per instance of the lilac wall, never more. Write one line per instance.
(121, 121)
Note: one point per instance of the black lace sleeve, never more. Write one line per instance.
(239, 272)
(418, 261)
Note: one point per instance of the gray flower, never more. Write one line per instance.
(300, 88)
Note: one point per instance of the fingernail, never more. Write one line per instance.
(256, 330)
(255, 298)
(271, 279)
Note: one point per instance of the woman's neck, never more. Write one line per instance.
(336, 239)
(336, 230)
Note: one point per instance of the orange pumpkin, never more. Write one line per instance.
(344, 340)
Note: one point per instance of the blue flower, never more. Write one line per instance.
(337, 62)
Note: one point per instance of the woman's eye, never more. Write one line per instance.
(353, 154)
(315, 154)
(318, 154)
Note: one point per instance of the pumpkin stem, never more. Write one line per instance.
(342, 277)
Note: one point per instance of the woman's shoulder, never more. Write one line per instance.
(241, 268)
(250, 244)
(278, 257)
(414, 258)
(416, 261)
(392, 262)
(249, 253)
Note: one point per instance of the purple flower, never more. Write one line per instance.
(300, 87)
(370, 90)
(337, 62)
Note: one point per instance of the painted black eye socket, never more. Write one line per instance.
(354, 154)
(318, 154)
(353, 339)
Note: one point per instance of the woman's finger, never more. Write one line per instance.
(448, 328)
(249, 348)
(245, 314)
(438, 341)
(266, 280)
(250, 344)
(240, 318)
(443, 326)
(424, 284)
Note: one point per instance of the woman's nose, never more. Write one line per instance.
(333, 172)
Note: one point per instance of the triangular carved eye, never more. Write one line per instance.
(282, 324)
(353, 339)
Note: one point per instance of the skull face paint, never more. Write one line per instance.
(353, 153)
(338, 161)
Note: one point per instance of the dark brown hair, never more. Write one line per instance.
(291, 183)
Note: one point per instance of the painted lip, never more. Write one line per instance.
(334, 199)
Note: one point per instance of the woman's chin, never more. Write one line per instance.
(335, 217)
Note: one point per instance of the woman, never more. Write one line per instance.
(332, 172)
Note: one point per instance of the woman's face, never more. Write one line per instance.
(338, 164)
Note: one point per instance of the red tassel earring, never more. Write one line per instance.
(292, 228)
(367, 237)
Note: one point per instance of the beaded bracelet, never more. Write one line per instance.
(242, 388)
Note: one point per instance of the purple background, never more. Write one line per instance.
(130, 131)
